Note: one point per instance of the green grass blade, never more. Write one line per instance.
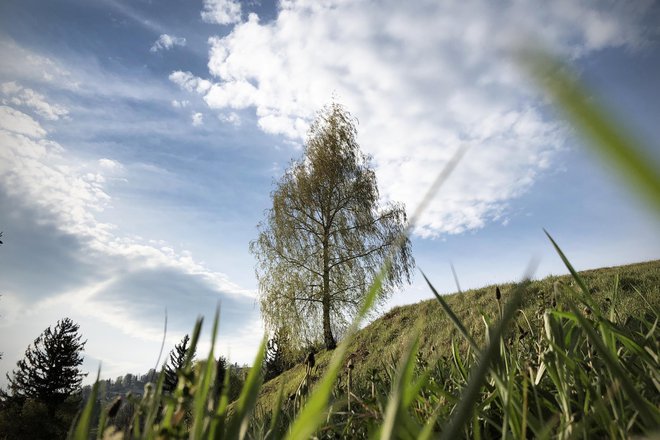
(154, 406)
(452, 316)
(193, 341)
(463, 412)
(602, 130)
(238, 425)
(427, 431)
(216, 430)
(647, 412)
(204, 385)
(275, 416)
(83, 426)
(396, 404)
(578, 279)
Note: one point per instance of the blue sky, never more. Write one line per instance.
(139, 143)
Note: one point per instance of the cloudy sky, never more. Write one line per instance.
(139, 143)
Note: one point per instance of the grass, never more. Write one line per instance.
(549, 363)
(384, 340)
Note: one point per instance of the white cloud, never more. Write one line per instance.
(221, 11)
(166, 42)
(69, 192)
(189, 82)
(197, 119)
(423, 80)
(28, 65)
(17, 95)
(109, 164)
(10, 88)
(180, 104)
(81, 74)
(231, 118)
(18, 122)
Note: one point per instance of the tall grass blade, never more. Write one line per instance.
(204, 384)
(578, 279)
(154, 405)
(596, 123)
(397, 405)
(83, 426)
(275, 416)
(452, 316)
(647, 412)
(162, 346)
(238, 425)
(217, 427)
(463, 411)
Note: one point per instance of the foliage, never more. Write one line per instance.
(326, 236)
(278, 356)
(49, 372)
(44, 391)
(176, 360)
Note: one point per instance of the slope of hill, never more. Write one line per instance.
(633, 289)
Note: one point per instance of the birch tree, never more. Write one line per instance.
(326, 236)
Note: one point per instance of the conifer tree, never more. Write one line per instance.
(50, 371)
(176, 361)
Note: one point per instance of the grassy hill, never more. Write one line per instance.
(561, 357)
(634, 290)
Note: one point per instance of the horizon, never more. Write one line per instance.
(140, 142)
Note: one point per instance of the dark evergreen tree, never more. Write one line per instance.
(44, 392)
(176, 362)
(278, 357)
(50, 371)
(220, 373)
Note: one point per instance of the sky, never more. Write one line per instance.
(140, 141)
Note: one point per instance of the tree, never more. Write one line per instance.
(49, 372)
(221, 367)
(44, 392)
(278, 356)
(176, 362)
(326, 236)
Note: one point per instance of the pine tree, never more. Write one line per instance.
(50, 371)
(176, 362)
(278, 357)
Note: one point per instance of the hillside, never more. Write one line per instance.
(376, 349)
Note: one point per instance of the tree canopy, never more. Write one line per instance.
(327, 235)
(50, 371)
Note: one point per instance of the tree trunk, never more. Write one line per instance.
(328, 339)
